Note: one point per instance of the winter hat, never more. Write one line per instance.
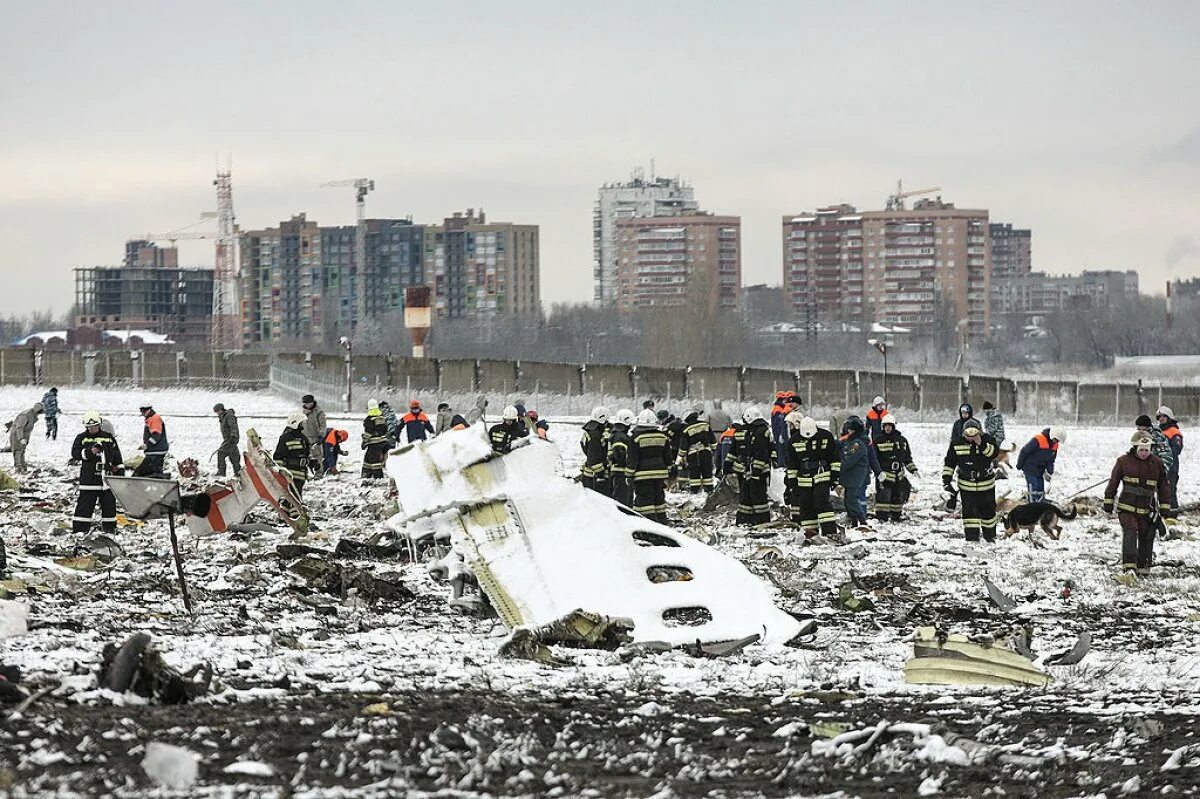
(372, 404)
(972, 424)
(308, 398)
(663, 415)
(1165, 411)
(987, 406)
(1143, 421)
(54, 391)
(1141, 441)
(219, 408)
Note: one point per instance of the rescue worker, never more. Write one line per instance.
(539, 426)
(154, 445)
(1142, 480)
(445, 418)
(1160, 446)
(754, 453)
(415, 423)
(724, 444)
(98, 455)
(719, 419)
(785, 403)
(393, 424)
(814, 463)
(331, 448)
(594, 443)
(293, 449)
(965, 412)
(993, 421)
(1036, 461)
(650, 459)
(892, 487)
(855, 474)
(697, 444)
(620, 475)
(508, 430)
(1170, 429)
(375, 442)
(971, 456)
(231, 436)
(875, 414)
(50, 409)
(674, 427)
(315, 425)
(458, 422)
(19, 434)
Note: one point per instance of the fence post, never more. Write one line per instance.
(1117, 404)
(809, 397)
(633, 381)
(741, 384)
(1076, 403)
(687, 382)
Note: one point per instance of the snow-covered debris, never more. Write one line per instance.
(14, 618)
(250, 768)
(171, 766)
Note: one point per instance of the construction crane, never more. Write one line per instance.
(361, 187)
(895, 202)
(175, 236)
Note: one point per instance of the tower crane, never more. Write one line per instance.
(175, 236)
(895, 202)
(361, 187)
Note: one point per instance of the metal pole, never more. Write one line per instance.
(885, 373)
(187, 600)
(349, 375)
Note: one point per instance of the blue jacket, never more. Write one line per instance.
(415, 426)
(1039, 454)
(779, 428)
(855, 460)
(50, 404)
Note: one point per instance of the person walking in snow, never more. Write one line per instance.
(814, 464)
(293, 450)
(855, 474)
(1170, 429)
(1036, 460)
(315, 425)
(154, 445)
(231, 436)
(970, 457)
(375, 443)
(50, 410)
(415, 423)
(1141, 478)
(993, 421)
(98, 455)
(510, 428)
(892, 488)
(391, 420)
(965, 414)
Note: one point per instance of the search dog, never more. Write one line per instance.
(1034, 514)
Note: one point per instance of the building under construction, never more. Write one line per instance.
(174, 301)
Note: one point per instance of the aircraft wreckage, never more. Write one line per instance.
(542, 546)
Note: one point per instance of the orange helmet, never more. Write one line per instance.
(414, 404)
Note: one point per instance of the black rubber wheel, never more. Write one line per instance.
(126, 662)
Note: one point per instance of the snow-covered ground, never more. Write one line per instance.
(268, 646)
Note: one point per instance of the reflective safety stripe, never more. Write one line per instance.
(83, 487)
(654, 474)
(981, 485)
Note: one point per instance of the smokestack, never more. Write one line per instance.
(417, 316)
(1168, 305)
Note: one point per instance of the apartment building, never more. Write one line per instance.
(919, 268)
(638, 197)
(680, 260)
(1039, 294)
(1012, 250)
(480, 268)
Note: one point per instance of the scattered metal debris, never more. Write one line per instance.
(998, 597)
(953, 659)
(1075, 654)
(137, 666)
(578, 629)
(344, 581)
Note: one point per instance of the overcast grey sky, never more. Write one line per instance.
(1078, 119)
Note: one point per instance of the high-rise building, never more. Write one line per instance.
(299, 280)
(681, 260)
(480, 268)
(638, 197)
(173, 301)
(914, 267)
(1012, 251)
(1037, 293)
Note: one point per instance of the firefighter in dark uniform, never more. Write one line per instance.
(892, 488)
(650, 458)
(292, 450)
(754, 452)
(971, 456)
(594, 444)
(1145, 497)
(508, 430)
(619, 474)
(813, 464)
(696, 445)
(376, 442)
(98, 454)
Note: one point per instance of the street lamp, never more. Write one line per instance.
(349, 347)
(882, 346)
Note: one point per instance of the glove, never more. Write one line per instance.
(951, 499)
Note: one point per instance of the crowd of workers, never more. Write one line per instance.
(634, 458)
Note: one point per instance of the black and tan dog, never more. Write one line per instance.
(1033, 514)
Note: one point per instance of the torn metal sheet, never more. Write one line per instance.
(1000, 599)
(955, 660)
(1075, 654)
(261, 479)
(542, 546)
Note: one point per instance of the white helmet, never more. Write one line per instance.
(751, 414)
(887, 419)
(794, 418)
(647, 418)
(1165, 411)
(878, 401)
(372, 404)
(808, 427)
(599, 414)
(295, 420)
(1058, 434)
(626, 417)
(510, 413)
(91, 419)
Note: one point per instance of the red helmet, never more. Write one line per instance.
(414, 404)
(533, 415)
